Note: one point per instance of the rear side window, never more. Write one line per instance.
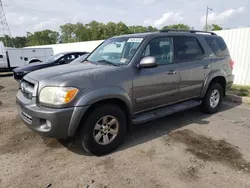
(218, 46)
(187, 49)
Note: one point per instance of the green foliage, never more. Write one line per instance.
(20, 42)
(240, 90)
(141, 29)
(42, 38)
(177, 26)
(7, 41)
(213, 27)
(81, 32)
(216, 27)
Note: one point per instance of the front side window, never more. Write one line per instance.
(188, 49)
(162, 49)
(116, 51)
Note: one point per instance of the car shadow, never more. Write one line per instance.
(6, 74)
(146, 132)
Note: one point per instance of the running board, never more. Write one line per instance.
(161, 112)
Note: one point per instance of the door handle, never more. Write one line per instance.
(171, 72)
(206, 67)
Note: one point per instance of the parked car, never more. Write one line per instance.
(11, 58)
(80, 59)
(127, 80)
(58, 59)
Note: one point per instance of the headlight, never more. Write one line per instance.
(57, 95)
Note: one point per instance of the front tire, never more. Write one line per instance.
(104, 129)
(213, 99)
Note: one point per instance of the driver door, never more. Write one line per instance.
(159, 86)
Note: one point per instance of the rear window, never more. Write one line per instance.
(218, 46)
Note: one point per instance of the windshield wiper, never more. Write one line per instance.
(107, 62)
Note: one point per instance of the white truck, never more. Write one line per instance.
(17, 57)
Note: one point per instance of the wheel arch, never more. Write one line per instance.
(34, 60)
(217, 76)
(95, 98)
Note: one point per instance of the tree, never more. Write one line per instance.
(68, 33)
(137, 29)
(76, 32)
(42, 37)
(152, 29)
(7, 40)
(111, 29)
(121, 28)
(97, 30)
(82, 33)
(213, 27)
(216, 27)
(177, 27)
(20, 42)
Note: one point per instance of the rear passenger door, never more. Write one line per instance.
(192, 65)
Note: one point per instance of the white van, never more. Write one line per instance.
(16, 57)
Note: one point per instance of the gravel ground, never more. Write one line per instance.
(188, 149)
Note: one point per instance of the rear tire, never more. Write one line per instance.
(104, 129)
(213, 98)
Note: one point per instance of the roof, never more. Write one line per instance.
(136, 35)
(71, 52)
(165, 32)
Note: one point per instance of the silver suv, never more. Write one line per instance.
(126, 80)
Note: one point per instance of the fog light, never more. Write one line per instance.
(46, 126)
(48, 123)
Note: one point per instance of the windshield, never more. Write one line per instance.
(54, 58)
(116, 51)
(79, 59)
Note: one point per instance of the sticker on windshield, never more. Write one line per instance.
(135, 40)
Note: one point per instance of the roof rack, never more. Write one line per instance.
(190, 31)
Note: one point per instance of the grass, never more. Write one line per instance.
(243, 91)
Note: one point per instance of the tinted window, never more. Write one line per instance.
(188, 49)
(218, 46)
(54, 58)
(68, 58)
(160, 48)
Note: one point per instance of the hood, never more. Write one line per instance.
(32, 67)
(71, 70)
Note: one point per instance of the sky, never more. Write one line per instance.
(35, 15)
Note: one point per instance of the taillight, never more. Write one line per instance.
(231, 62)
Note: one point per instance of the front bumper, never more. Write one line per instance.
(49, 122)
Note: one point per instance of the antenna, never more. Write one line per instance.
(4, 27)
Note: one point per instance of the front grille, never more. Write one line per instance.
(27, 88)
(26, 117)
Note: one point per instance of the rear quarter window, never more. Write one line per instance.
(218, 45)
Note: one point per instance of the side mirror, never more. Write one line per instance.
(147, 62)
